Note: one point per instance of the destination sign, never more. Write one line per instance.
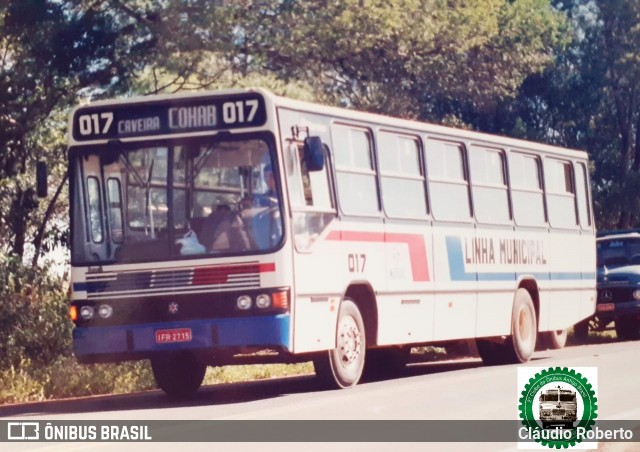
(168, 117)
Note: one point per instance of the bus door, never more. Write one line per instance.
(316, 272)
(91, 207)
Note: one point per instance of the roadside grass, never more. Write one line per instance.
(594, 337)
(250, 372)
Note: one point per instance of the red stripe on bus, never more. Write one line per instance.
(415, 242)
(220, 275)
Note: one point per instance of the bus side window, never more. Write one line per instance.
(355, 173)
(526, 189)
(448, 182)
(402, 178)
(561, 193)
(582, 192)
(489, 185)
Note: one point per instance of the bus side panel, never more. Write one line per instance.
(588, 261)
(492, 254)
(347, 253)
(455, 283)
(565, 279)
(405, 311)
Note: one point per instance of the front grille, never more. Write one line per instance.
(615, 294)
(559, 412)
(155, 309)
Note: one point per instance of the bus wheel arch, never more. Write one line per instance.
(364, 297)
(552, 340)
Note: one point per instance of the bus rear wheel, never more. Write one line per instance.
(520, 345)
(342, 367)
(553, 340)
(179, 375)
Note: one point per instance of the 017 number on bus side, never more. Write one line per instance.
(356, 262)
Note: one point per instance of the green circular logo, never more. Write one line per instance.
(553, 397)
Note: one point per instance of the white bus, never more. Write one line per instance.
(208, 226)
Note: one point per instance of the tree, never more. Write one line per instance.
(590, 100)
(49, 52)
(427, 59)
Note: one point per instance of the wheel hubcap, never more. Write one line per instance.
(525, 328)
(349, 341)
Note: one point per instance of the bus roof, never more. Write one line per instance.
(350, 114)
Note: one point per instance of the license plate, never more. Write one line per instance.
(605, 307)
(173, 335)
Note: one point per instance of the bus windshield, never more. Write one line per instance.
(161, 202)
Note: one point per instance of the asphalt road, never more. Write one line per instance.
(455, 390)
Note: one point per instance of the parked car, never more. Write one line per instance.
(618, 256)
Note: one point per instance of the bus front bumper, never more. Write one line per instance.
(128, 342)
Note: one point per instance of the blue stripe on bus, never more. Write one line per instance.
(457, 270)
(456, 261)
(211, 333)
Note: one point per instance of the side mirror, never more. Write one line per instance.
(42, 187)
(314, 153)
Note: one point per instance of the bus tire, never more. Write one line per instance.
(520, 345)
(384, 363)
(552, 340)
(343, 366)
(179, 375)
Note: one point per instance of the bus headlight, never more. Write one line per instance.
(636, 294)
(87, 312)
(244, 302)
(263, 301)
(105, 311)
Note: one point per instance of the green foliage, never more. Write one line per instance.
(412, 58)
(34, 321)
(35, 344)
(51, 52)
(590, 99)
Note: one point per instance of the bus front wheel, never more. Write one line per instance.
(520, 345)
(179, 375)
(342, 367)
